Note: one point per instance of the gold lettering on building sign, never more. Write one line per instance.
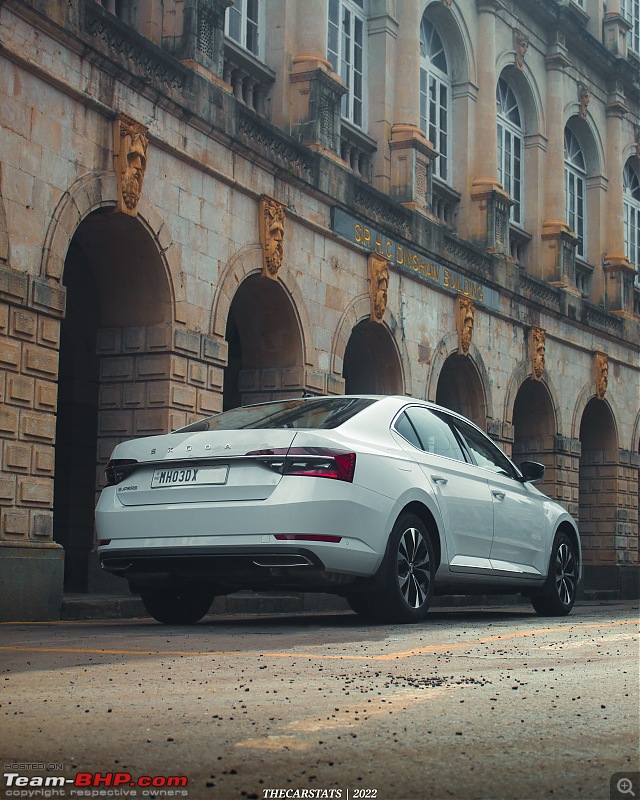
(378, 268)
(601, 370)
(465, 311)
(271, 236)
(537, 348)
(463, 286)
(130, 145)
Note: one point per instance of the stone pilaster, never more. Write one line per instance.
(489, 226)
(412, 158)
(618, 271)
(316, 92)
(200, 42)
(558, 251)
(31, 563)
(615, 29)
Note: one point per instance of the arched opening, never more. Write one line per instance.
(534, 432)
(371, 361)
(115, 280)
(461, 390)
(598, 478)
(265, 345)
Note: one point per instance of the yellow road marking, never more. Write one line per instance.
(324, 656)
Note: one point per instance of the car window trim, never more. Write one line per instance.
(460, 433)
(435, 412)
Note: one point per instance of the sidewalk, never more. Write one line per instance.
(111, 606)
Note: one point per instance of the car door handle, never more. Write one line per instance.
(439, 479)
(498, 495)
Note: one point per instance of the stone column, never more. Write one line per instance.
(490, 207)
(410, 151)
(618, 272)
(316, 90)
(615, 29)
(558, 251)
(486, 145)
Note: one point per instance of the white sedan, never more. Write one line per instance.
(382, 500)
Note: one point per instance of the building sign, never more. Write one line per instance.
(410, 261)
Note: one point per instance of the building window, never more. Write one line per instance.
(631, 184)
(631, 12)
(575, 177)
(346, 50)
(242, 24)
(435, 96)
(510, 147)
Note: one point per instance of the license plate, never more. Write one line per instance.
(189, 476)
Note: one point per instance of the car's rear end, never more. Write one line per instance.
(247, 507)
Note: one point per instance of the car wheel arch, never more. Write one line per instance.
(424, 514)
(567, 528)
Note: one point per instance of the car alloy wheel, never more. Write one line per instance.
(414, 567)
(559, 593)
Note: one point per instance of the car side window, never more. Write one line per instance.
(435, 435)
(485, 453)
(407, 431)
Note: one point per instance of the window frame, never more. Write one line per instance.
(631, 12)
(509, 131)
(575, 191)
(432, 76)
(632, 217)
(353, 104)
(241, 8)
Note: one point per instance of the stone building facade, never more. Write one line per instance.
(205, 204)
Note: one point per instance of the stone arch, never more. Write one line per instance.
(585, 395)
(635, 435)
(245, 262)
(358, 311)
(589, 137)
(526, 88)
(5, 250)
(456, 38)
(518, 377)
(89, 194)
(447, 347)
(115, 380)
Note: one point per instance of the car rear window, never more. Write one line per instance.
(320, 413)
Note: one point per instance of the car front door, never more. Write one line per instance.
(460, 487)
(520, 525)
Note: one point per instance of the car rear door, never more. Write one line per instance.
(460, 487)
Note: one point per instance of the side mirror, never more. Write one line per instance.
(531, 471)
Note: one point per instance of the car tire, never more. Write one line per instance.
(408, 573)
(557, 597)
(177, 606)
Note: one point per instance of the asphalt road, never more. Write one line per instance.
(473, 703)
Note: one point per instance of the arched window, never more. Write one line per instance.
(435, 96)
(346, 50)
(510, 147)
(631, 184)
(242, 24)
(575, 177)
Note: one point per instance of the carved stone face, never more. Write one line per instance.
(602, 374)
(133, 175)
(538, 348)
(521, 47)
(381, 295)
(378, 286)
(465, 325)
(274, 236)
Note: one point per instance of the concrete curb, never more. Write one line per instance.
(102, 606)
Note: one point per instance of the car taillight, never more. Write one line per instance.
(118, 469)
(316, 462)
